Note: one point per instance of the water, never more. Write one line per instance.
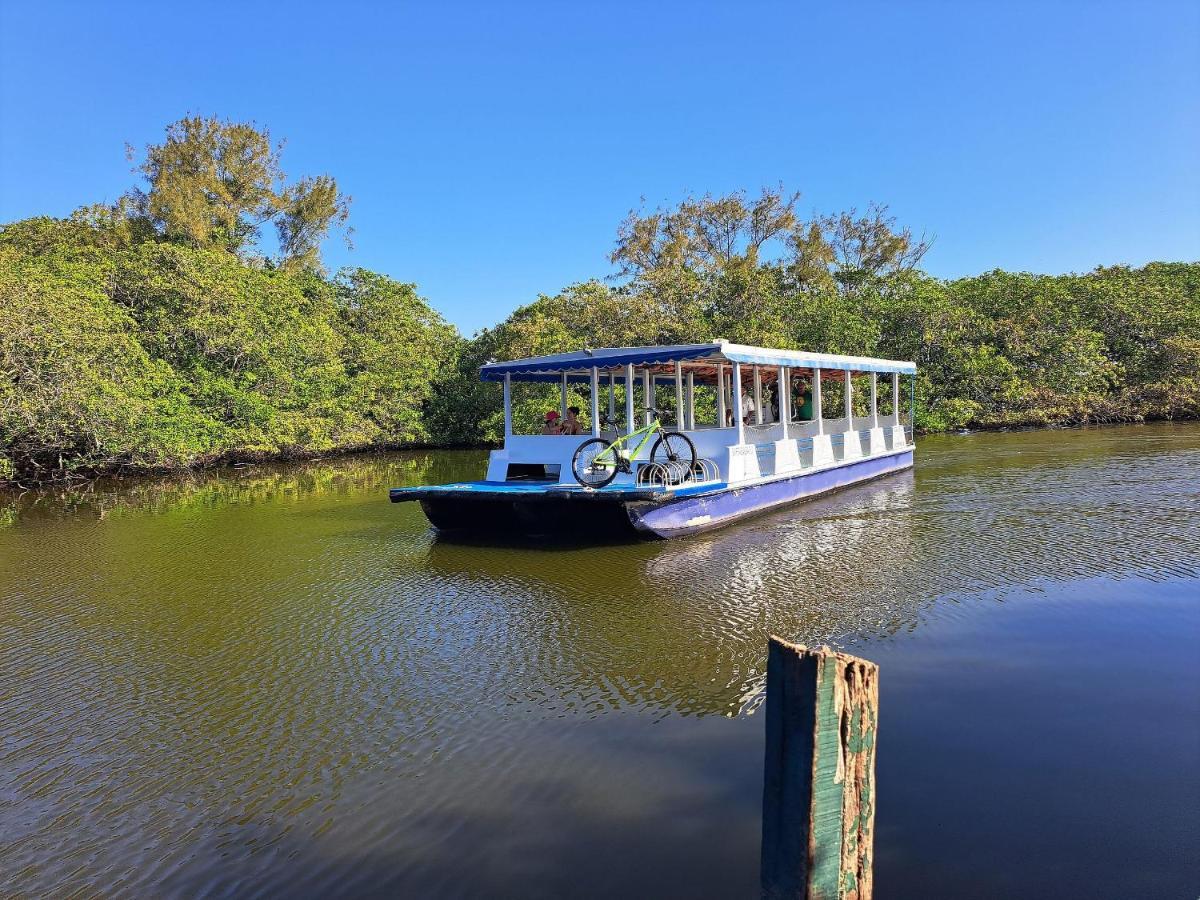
(272, 682)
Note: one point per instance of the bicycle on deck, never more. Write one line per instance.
(598, 461)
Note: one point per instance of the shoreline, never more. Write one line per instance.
(238, 461)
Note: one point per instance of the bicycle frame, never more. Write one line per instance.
(613, 450)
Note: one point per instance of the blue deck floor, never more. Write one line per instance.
(535, 488)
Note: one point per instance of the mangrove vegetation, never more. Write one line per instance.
(192, 321)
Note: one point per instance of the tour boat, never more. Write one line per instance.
(755, 447)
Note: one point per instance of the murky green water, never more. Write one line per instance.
(273, 682)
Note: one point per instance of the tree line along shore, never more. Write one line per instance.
(158, 333)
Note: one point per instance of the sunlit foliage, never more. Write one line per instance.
(162, 356)
(156, 334)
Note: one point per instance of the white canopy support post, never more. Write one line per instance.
(851, 439)
(849, 404)
(895, 438)
(783, 398)
(818, 414)
(612, 398)
(595, 405)
(647, 397)
(758, 416)
(691, 401)
(680, 421)
(629, 417)
(720, 396)
(507, 406)
(563, 404)
(737, 403)
(874, 399)
(822, 442)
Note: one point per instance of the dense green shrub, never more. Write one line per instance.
(1117, 344)
(150, 355)
(121, 350)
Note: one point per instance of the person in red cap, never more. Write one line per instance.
(551, 426)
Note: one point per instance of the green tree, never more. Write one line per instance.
(396, 350)
(78, 391)
(155, 355)
(215, 184)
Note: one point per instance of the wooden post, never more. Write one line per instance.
(822, 712)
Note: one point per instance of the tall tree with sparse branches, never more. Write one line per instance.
(216, 184)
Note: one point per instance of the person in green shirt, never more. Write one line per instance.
(804, 408)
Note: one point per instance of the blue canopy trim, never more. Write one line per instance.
(577, 364)
(583, 379)
(609, 358)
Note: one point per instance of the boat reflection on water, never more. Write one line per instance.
(817, 571)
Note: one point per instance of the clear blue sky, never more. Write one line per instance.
(492, 148)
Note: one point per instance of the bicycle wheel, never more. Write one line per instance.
(678, 450)
(589, 472)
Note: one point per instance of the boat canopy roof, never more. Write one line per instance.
(701, 358)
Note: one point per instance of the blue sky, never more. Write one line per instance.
(491, 149)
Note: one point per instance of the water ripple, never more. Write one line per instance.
(211, 667)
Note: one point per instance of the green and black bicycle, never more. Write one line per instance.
(598, 461)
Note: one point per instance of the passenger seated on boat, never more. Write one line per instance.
(747, 408)
(804, 409)
(551, 426)
(571, 424)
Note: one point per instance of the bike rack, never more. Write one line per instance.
(670, 474)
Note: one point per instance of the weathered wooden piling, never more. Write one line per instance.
(819, 774)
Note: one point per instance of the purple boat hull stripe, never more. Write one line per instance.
(691, 514)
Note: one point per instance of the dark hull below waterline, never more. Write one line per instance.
(553, 517)
(675, 517)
